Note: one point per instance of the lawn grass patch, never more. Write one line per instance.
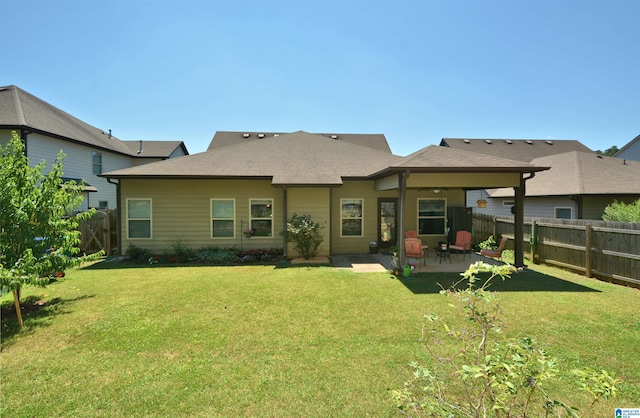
(259, 340)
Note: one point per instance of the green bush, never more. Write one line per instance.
(621, 212)
(305, 234)
(137, 254)
(476, 371)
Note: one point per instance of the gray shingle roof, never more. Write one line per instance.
(226, 138)
(295, 158)
(581, 173)
(19, 109)
(515, 149)
(438, 158)
(155, 149)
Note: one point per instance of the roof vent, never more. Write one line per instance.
(599, 156)
(260, 135)
(276, 135)
(508, 141)
(466, 141)
(488, 141)
(334, 136)
(245, 135)
(529, 142)
(549, 142)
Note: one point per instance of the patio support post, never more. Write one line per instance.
(402, 185)
(518, 225)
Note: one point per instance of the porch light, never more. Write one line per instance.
(481, 203)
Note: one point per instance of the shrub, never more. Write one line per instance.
(621, 212)
(486, 373)
(137, 254)
(488, 244)
(305, 234)
(181, 252)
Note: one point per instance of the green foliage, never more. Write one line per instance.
(609, 152)
(621, 212)
(137, 254)
(305, 234)
(38, 230)
(488, 244)
(476, 371)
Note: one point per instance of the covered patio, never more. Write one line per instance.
(380, 263)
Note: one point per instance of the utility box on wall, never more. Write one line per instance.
(459, 219)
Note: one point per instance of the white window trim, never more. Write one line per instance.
(555, 212)
(418, 217)
(251, 218)
(141, 219)
(222, 219)
(361, 217)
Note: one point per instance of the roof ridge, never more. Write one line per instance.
(18, 104)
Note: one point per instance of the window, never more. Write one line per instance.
(139, 218)
(103, 204)
(563, 213)
(351, 215)
(508, 203)
(96, 159)
(431, 216)
(261, 217)
(223, 219)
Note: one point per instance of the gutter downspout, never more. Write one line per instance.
(284, 220)
(119, 217)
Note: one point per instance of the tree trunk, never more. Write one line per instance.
(16, 300)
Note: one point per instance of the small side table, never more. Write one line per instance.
(443, 253)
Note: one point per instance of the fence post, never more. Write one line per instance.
(533, 240)
(587, 254)
(495, 228)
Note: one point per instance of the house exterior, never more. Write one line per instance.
(630, 151)
(352, 184)
(579, 184)
(90, 151)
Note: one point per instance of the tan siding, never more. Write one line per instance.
(314, 202)
(356, 190)
(181, 212)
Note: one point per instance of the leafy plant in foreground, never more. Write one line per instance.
(478, 372)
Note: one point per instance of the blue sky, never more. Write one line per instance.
(416, 71)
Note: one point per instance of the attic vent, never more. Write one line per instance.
(466, 141)
(508, 141)
(529, 142)
(488, 141)
(549, 142)
(276, 135)
(260, 135)
(334, 136)
(245, 135)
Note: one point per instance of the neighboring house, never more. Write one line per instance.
(46, 130)
(579, 185)
(352, 184)
(631, 151)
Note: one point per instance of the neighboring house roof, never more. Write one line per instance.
(301, 158)
(296, 158)
(155, 149)
(515, 149)
(226, 138)
(21, 110)
(580, 173)
(635, 142)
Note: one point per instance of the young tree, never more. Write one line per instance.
(38, 232)
(305, 234)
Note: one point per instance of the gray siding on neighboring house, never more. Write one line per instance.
(536, 207)
(631, 153)
(78, 163)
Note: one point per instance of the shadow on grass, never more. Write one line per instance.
(114, 265)
(36, 312)
(524, 281)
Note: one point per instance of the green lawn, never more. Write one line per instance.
(257, 340)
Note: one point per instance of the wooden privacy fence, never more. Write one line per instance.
(606, 250)
(99, 233)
